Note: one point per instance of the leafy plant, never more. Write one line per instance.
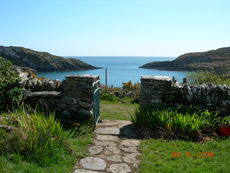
(200, 77)
(33, 135)
(183, 123)
(108, 97)
(10, 93)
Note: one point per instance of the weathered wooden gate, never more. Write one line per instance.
(96, 102)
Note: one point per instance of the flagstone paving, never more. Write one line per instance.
(114, 150)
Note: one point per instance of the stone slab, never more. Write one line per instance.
(132, 158)
(108, 131)
(111, 150)
(93, 163)
(114, 158)
(130, 142)
(107, 138)
(119, 168)
(105, 143)
(85, 171)
(129, 149)
(94, 150)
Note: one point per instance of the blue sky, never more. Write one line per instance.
(116, 27)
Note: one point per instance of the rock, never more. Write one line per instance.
(108, 131)
(51, 86)
(189, 98)
(24, 79)
(107, 138)
(114, 158)
(129, 149)
(68, 101)
(93, 150)
(118, 94)
(119, 168)
(128, 132)
(86, 171)
(86, 112)
(28, 84)
(111, 150)
(131, 158)
(104, 143)
(58, 85)
(93, 163)
(39, 85)
(129, 93)
(130, 142)
(84, 104)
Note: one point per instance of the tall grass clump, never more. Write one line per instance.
(33, 136)
(201, 77)
(181, 122)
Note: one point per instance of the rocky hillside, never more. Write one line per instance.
(41, 61)
(217, 60)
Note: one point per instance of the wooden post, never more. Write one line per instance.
(106, 80)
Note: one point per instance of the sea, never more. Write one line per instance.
(119, 69)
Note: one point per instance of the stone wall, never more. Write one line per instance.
(164, 92)
(73, 97)
(30, 83)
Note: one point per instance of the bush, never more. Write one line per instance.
(182, 123)
(128, 86)
(10, 93)
(108, 97)
(200, 77)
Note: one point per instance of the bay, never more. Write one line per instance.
(120, 69)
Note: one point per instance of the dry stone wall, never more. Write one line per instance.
(70, 98)
(162, 91)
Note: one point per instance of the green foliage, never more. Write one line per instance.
(108, 97)
(37, 143)
(200, 77)
(183, 123)
(33, 135)
(10, 93)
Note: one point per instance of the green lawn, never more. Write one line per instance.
(157, 153)
(157, 156)
(116, 110)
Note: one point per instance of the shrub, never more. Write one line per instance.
(128, 86)
(10, 93)
(182, 123)
(107, 97)
(200, 77)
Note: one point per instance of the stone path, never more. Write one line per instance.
(114, 150)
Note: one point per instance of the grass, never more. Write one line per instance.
(40, 144)
(157, 156)
(181, 122)
(118, 109)
(157, 153)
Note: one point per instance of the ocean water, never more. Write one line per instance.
(120, 69)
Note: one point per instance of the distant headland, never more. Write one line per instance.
(216, 60)
(41, 61)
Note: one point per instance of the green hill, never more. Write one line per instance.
(217, 60)
(41, 61)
